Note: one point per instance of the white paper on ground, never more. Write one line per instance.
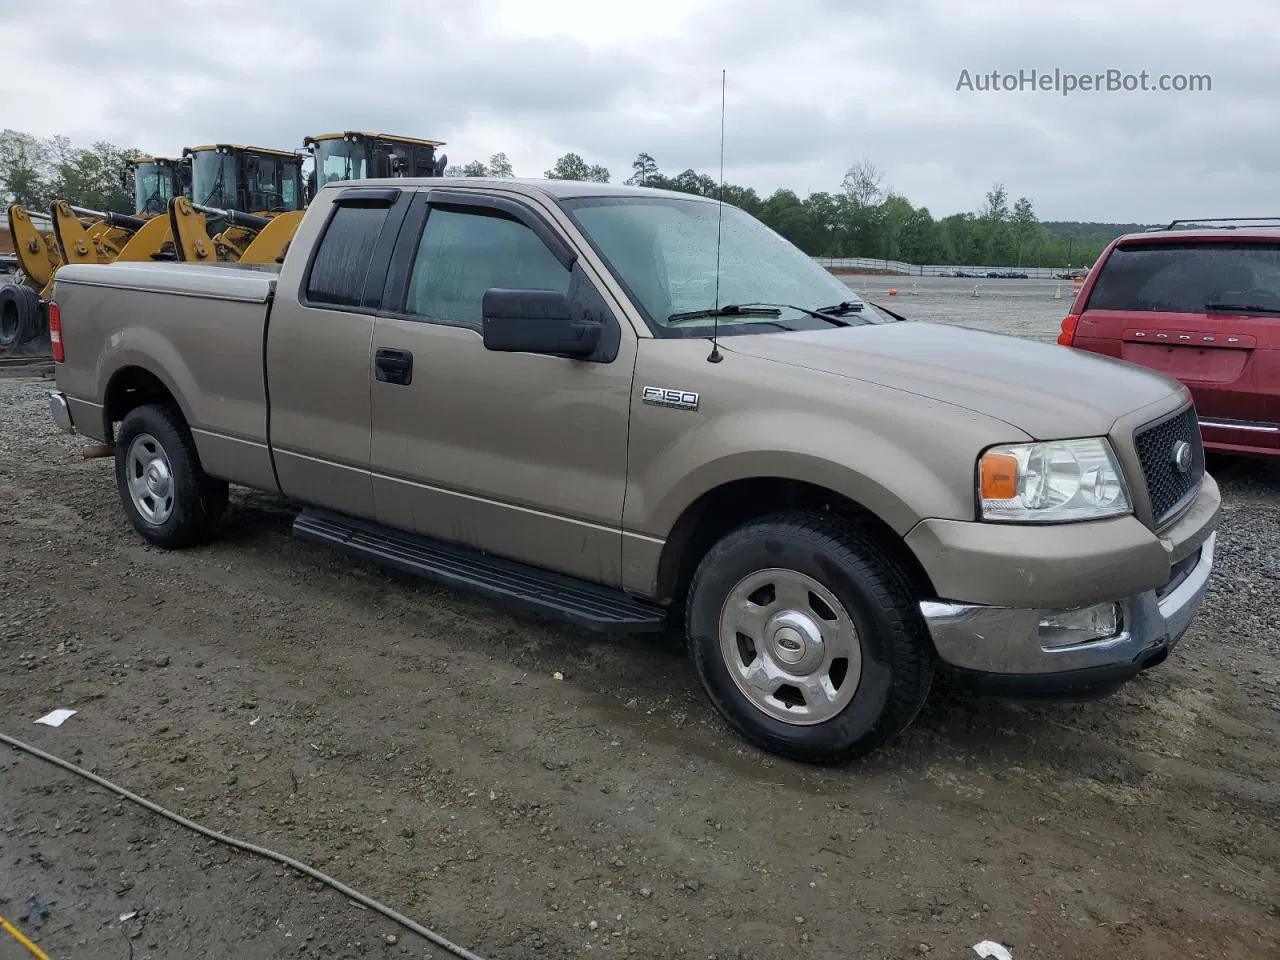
(55, 718)
(991, 949)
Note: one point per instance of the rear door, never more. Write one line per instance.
(318, 347)
(1197, 310)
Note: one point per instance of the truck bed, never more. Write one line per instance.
(198, 328)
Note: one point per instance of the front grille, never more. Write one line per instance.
(1168, 487)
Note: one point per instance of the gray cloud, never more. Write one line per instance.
(813, 85)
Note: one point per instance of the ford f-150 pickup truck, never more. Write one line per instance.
(629, 408)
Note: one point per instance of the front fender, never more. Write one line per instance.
(900, 478)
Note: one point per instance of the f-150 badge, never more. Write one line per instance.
(667, 397)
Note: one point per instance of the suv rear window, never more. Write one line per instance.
(1186, 277)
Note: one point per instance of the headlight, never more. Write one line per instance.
(1052, 482)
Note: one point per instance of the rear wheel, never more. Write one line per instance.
(806, 637)
(166, 494)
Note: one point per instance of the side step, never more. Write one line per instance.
(506, 582)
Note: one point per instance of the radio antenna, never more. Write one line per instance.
(715, 356)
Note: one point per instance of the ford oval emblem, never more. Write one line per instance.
(1181, 455)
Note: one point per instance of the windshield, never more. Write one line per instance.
(213, 179)
(664, 252)
(152, 188)
(342, 160)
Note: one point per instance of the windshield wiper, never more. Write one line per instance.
(729, 310)
(818, 314)
(845, 306)
(1239, 308)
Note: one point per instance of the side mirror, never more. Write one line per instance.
(536, 321)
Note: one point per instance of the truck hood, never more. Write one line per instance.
(1045, 390)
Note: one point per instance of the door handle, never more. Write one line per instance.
(393, 366)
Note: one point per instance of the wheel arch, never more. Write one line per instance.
(729, 505)
(133, 385)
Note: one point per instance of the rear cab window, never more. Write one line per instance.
(340, 269)
(1189, 276)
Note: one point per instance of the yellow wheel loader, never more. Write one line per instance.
(262, 234)
(79, 235)
(95, 236)
(250, 197)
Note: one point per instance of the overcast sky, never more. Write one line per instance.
(813, 85)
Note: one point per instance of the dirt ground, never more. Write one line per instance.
(418, 747)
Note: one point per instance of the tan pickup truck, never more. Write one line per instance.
(628, 407)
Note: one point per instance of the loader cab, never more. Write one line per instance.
(156, 180)
(248, 179)
(352, 155)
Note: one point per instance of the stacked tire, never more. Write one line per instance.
(23, 326)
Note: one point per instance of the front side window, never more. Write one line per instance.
(463, 253)
(342, 259)
(1190, 277)
(664, 251)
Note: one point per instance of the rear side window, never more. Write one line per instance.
(342, 259)
(1189, 278)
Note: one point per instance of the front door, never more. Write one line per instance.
(521, 455)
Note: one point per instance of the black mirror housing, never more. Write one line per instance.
(536, 321)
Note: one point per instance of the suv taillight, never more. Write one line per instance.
(1069, 324)
(55, 331)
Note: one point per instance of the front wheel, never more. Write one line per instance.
(807, 639)
(166, 494)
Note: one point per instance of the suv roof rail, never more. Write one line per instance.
(1227, 223)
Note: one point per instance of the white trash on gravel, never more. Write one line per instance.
(992, 950)
(56, 718)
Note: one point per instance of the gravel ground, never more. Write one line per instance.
(420, 748)
(1022, 308)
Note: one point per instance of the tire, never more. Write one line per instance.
(166, 494)
(813, 568)
(20, 315)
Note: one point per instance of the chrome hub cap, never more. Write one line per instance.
(790, 646)
(150, 479)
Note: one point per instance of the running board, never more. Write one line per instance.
(505, 582)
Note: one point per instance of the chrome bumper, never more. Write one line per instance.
(60, 412)
(1006, 640)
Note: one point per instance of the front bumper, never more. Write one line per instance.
(999, 649)
(60, 411)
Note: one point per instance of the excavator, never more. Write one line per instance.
(258, 224)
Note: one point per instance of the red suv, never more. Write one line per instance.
(1199, 303)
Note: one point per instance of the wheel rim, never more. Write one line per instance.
(150, 479)
(790, 646)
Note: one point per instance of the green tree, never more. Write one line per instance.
(96, 177)
(500, 166)
(864, 184)
(572, 167)
(645, 171)
(24, 163)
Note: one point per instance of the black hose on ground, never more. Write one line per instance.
(298, 865)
